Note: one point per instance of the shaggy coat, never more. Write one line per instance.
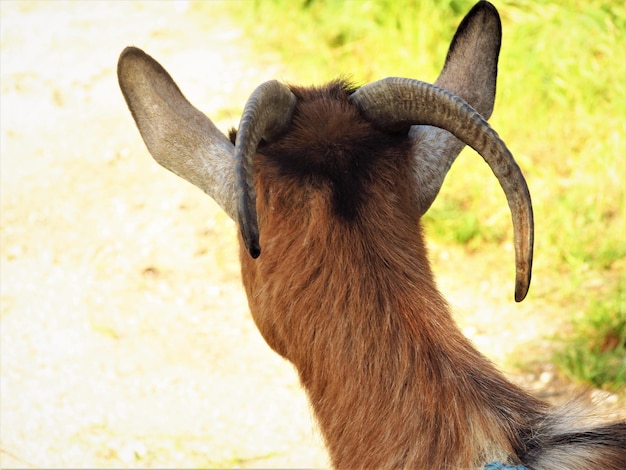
(344, 291)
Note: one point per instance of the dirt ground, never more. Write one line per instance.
(126, 340)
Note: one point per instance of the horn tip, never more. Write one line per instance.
(254, 250)
(250, 237)
(521, 290)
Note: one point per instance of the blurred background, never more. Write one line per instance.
(126, 339)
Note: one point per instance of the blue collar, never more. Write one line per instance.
(501, 466)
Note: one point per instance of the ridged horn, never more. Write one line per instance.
(398, 103)
(267, 113)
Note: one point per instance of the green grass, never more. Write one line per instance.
(594, 353)
(560, 106)
(321, 40)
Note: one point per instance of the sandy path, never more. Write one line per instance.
(126, 339)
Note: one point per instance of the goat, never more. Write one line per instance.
(328, 186)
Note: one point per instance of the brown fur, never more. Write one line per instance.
(343, 287)
(344, 290)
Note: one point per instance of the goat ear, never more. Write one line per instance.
(179, 137)
(471, 66)
(470, 72)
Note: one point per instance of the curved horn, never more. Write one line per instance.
(396, 103)
(266, 115)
